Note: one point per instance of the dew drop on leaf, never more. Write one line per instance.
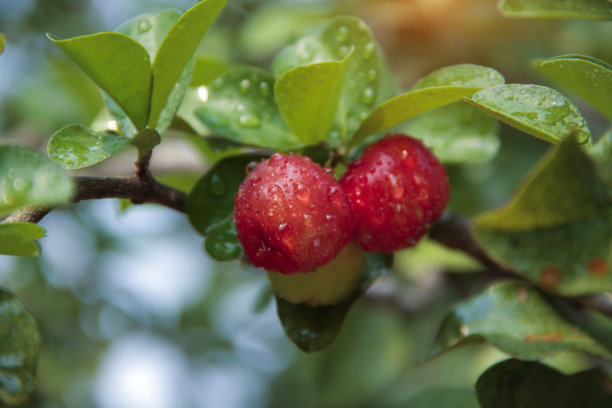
(369, 49)
(217, 185)
(367, 96)
(245, 84)
(342, 33)
(249, 121)
(143, 27)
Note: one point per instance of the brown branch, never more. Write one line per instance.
(139, 189)
(455, 232)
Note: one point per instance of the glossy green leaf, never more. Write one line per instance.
(361, 89)
(75, 147)
(241, 107)
(558, 229)
(601, 153)
(150, 30)
(467, 75)
(587, 9)
(308, 98)
(537, 110)
(19, 238)
(529, 384)
(457, 133)
(440, 88)
(210, 204)
(29, 178)
(119, 65)
(587, 77)
(177, 49)
(406, 106)
(19, 342)
(440, 398)
(515, 318)
(314, 328)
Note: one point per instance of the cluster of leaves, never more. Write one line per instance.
(328, 95)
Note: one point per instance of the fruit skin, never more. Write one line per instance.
(328, 285)
(291, 215)
(397, 188)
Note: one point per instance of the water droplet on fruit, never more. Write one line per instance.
(217, 185)
(317, 242)
(250, 167)
(367, 96)
(336, 196)
(276, 193)
(418, 180)
(249, 121)
(245, 84)
(264, 88)
(397, 191)
(369, 49)
(282, 226)
(143, 27)
(301, 191)
(329, 217)
(342, 33)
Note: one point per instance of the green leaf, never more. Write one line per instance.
(440, 398)
(440, 88)
(210, 204)
(537, 110)
(19, 238)
(241, 107)
(587, 77)
(558, 230)
(457, 133)
(515, 318)
(29, 178)
(466, 75)
(177, 49)
(314, 328)
(120, 66)
(150, 30)
(587, 9)
(406, 106)
(75, 147)
(529, 384)
(361, 89)
(601, 153)
(308, 98)
(19, 342)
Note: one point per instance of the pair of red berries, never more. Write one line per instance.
(294, 216)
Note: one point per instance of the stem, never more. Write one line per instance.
(141, 188)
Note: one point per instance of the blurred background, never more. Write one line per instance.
(132, 312)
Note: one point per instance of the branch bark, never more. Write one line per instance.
(141, 188)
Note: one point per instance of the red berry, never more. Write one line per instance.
(291, 215)
(397, 188)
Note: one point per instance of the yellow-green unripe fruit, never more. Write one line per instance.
(327, 285)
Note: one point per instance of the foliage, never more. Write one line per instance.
(327, 95)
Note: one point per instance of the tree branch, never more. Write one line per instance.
(455, 232)
(139, 189)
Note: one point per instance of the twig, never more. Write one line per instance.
(139, 189)
(455, 232)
